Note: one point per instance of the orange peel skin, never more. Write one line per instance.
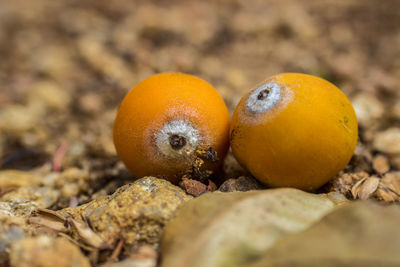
(294, 130)
(164, 120)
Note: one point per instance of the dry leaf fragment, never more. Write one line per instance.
(386, 195)
(361, 186)
(364, 188)
(345, 182)
(51, 214)
(389, 188)
(87, 235)
(392, 180)
(53, 225)
(57, 222)
(49, 219)
(117, 251)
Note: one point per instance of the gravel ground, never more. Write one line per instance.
(66, 65)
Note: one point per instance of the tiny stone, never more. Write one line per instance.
(368, 108)
(49, 95)
(211, 186)
(232, 168)
(243, 183)
(91, 103)
(388, 141)
(18, 118)
(193, 187)
(380, 164)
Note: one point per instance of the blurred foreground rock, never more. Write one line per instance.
(358, 234)
(44, 251)
(42, 188)
(40, 196)
(231, 229)
(20, 196)
(11, 230)
(11, 180)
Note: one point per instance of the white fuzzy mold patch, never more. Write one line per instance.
(186, 137)
(263, 98)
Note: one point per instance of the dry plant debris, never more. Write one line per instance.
(363, 186)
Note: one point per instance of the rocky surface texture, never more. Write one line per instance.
(231, 229)
(136, 213)
(354, 235)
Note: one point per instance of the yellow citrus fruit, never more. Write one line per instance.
(294, 130)
(164, 120)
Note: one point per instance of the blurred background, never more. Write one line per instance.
(66, 65)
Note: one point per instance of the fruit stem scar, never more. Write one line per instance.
(177, 141)
(263, 94)
(263, 98)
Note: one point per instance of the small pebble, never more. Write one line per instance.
(388, 141)
(380, 163)
(243, 183)
(368, 108)
(193, 187)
